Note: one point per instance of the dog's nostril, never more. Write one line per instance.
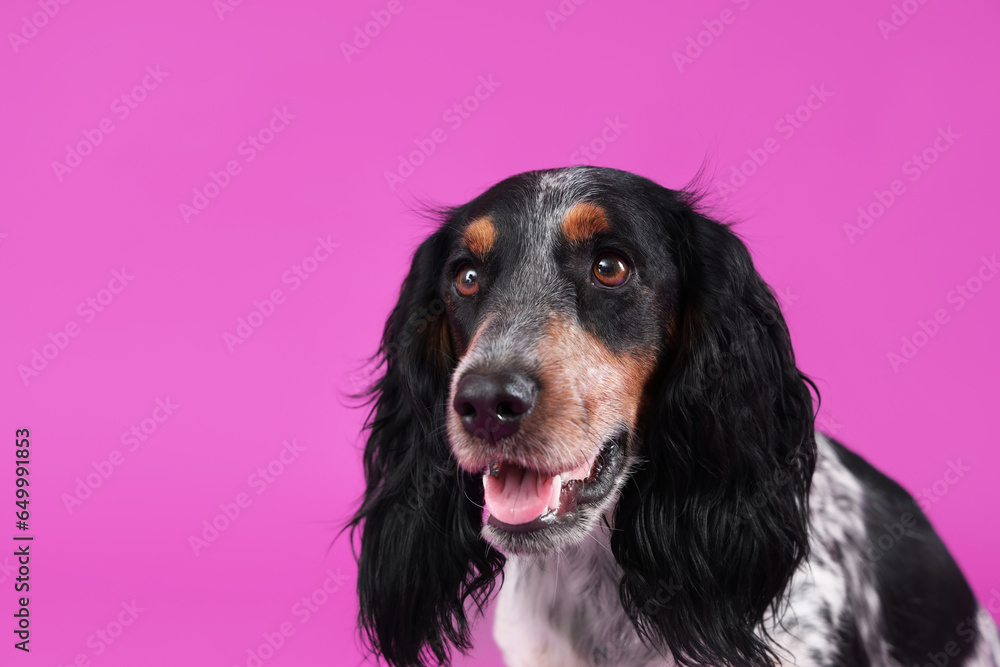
(513, 408)
(466, 410)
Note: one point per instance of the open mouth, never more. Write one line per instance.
(521, 500)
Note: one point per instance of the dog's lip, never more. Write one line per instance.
(493, 468)
(574, 493)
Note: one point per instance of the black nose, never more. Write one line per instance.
(492, 406)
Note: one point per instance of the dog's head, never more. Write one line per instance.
(576, 345)
(559, 290)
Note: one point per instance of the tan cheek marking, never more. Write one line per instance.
(584, 221)
(479, 236)
(588, 386)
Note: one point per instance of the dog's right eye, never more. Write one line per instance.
(610, 269)
(467, 280)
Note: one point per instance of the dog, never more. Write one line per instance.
(590, 401)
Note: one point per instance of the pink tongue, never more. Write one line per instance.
(517, 495)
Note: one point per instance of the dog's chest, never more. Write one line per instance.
(565, 611)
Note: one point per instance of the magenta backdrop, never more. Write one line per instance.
(207, 209)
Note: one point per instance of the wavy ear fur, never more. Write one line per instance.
(713, 523)
(421, 555)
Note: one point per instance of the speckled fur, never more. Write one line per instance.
(563, 610)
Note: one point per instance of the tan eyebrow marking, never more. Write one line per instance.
(479, 236)
(583, 221)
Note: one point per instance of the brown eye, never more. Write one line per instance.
(467, 280)
(610, 269)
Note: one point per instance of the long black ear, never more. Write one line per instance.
(421, 556)
(714, 522)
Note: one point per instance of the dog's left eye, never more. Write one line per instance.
(610, 269)
(467, 280)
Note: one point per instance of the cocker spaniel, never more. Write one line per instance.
(588, 388)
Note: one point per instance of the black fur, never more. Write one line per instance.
(915, 571)
(421, 556)
(729, 449)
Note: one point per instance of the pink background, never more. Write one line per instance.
(850, 296)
